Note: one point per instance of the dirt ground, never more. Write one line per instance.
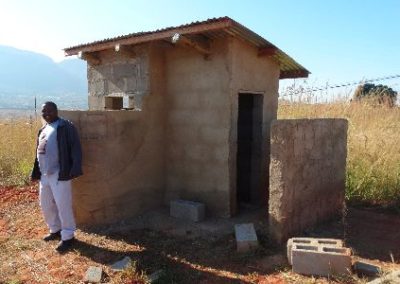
(183, 256)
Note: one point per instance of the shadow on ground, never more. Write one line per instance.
(200, 253)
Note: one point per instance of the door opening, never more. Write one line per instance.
(249, 148)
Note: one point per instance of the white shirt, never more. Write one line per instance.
(47, 150)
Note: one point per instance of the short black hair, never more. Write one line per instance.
(52, 104)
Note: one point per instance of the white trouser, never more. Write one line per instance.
(56, 202)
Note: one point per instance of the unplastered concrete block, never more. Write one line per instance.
(189, 210)
(246, 237)
(311, 242)
(320, 260)
(365, 268)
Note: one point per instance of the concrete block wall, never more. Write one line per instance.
(198, 127)
(118, 74)
(123, 175)
(307, 174)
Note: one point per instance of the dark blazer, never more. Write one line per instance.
(69, 152)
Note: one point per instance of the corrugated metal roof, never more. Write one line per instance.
(211, 28)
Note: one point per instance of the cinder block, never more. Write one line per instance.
(367, 269)
(393, 277)
(321, 260)
(311, 242)
(246, 237)
(190, 210)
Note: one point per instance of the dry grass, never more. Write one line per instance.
(17, 151)
(373, 164)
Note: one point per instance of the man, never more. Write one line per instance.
(58, 160)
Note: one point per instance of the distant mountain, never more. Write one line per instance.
(26, 74)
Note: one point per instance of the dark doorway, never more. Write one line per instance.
(249, 143)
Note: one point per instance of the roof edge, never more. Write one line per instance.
(141, 37)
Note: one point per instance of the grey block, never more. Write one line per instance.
(246, 237)
(189, 210)
(320, 260)
(155, 276)
(392, 278)
(122, 264)
(93, 274)
(367, 269)
(311, 242)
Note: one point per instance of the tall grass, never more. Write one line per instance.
(373, 161)
(17, 150)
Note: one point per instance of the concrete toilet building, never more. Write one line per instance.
(182, 112)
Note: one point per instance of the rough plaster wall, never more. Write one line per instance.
(307, 173)
(123, 156)
(197, 127)
(253, 74)
(118, 74)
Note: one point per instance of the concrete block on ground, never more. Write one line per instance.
(155, 275)
(321, 260)
(122, 264)
(367, 269)
(246, 237)
(392, 278)
(312, 242)
(93, 274)
(189, 210)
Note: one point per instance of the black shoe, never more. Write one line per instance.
(64, 246)
(52, 236)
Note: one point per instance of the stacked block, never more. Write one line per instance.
(319, 256)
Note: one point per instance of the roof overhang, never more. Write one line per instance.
(210, 29)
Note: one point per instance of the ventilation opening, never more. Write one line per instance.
(249, 144)
(114, 103)
(119, 103)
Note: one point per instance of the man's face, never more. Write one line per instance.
(49, 113)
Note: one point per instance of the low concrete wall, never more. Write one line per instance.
(307, 173)
(123, 171)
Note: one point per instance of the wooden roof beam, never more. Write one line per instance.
(92, 57)
(184, 41)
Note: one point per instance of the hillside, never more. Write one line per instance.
(26, 74)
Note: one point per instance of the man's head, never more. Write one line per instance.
(49, 112)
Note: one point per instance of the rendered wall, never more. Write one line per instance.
(186, 128)
(202, 100)
(259, 75)
(307, 174)
(198, 127)
(123, 154)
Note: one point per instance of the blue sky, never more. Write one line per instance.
(338, 41)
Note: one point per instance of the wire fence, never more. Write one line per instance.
(304, 90)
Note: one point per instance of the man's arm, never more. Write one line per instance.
(76, 153)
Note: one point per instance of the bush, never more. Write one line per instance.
(375, 95)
